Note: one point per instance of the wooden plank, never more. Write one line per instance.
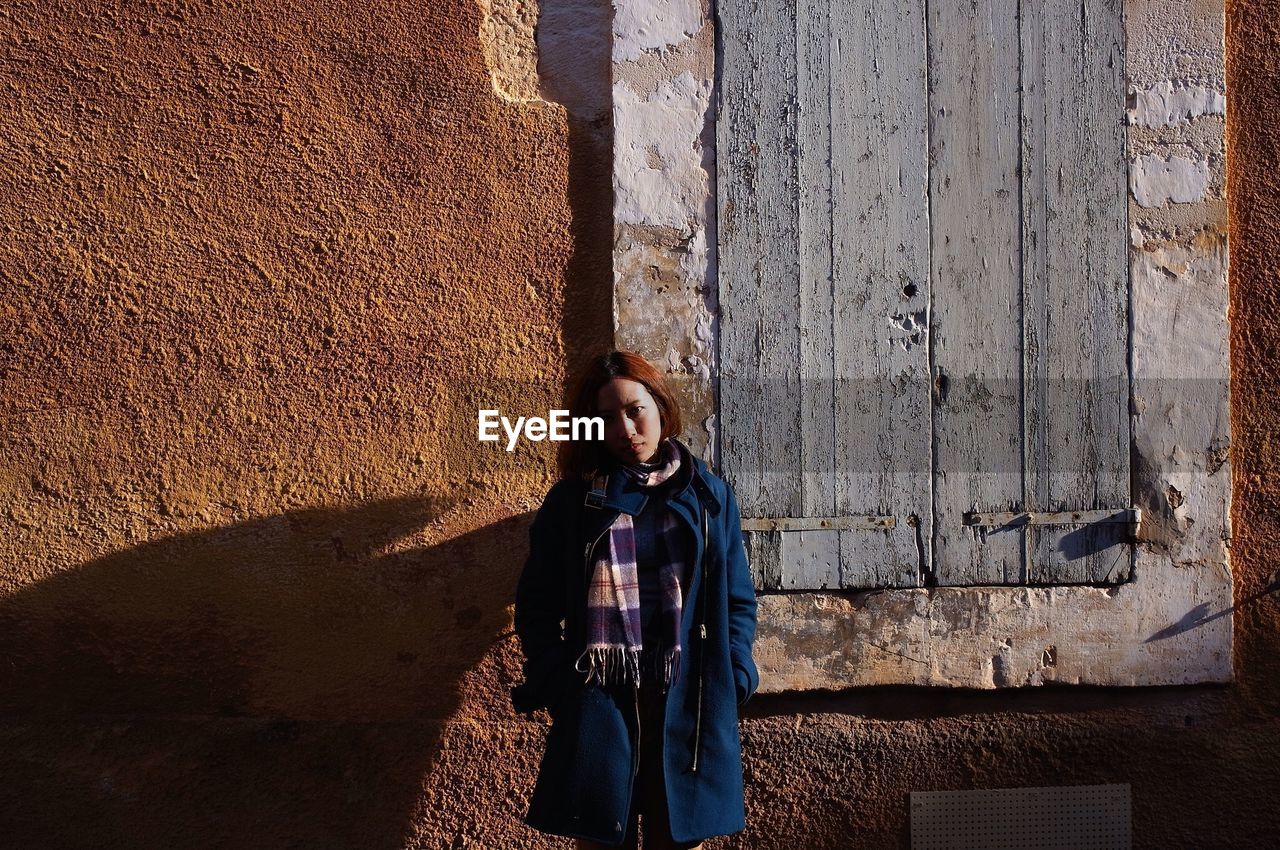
(738, 232)
(865, 564)
(759, 279)
(779, 325)
(976, 273)
(813, 138)
(764, 556)
(1075, 279)
(811, 560)
(880, 282)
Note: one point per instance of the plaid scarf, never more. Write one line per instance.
(615, 652)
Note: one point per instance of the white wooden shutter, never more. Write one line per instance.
(923, 290)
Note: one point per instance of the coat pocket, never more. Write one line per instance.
(745, 680)
(584, 783)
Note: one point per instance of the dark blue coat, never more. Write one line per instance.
(585, 781)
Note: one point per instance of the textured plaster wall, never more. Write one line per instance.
(261, 263)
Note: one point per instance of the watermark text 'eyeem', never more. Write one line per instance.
(557, 427)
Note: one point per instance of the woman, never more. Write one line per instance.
(638, 550)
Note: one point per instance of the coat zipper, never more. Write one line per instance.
(587, 555)
(635, 755)
(702, 646)
(592, 545)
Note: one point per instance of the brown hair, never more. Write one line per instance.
(580, 458)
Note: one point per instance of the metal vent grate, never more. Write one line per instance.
(1072, 817)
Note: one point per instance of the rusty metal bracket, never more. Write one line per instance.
(866, 522)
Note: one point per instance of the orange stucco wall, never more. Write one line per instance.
(261, 264)
(1253, 143)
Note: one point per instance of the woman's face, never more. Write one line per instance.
(632, 423)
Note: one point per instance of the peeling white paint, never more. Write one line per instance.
(641, 27)
(1172, 102)
(1157, 182)
(663, 130)
(1179, 297)
(663, 264)
(1174, 39)
(1180, 399)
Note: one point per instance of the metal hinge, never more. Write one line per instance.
(1005, 519)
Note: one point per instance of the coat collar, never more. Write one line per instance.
(621, 492)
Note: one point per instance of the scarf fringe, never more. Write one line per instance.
(622, 665)
(607, 665)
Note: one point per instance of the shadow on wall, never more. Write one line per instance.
(575, 70)
(195, 639)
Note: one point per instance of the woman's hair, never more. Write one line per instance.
(580, 458)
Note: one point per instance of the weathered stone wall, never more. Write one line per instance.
(1171, 623)
(834, 769)
(831, 770)
(663, 179)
